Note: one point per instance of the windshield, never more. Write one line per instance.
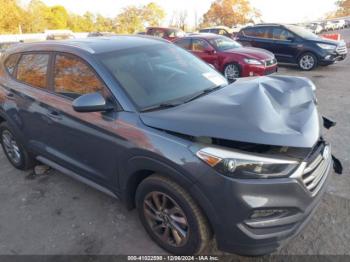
(301, 31)
(161, 73)
(224, 43)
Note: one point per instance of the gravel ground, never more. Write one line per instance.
(53, 214)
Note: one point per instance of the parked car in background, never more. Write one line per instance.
(218, 30)
(149, 123)
(340, 24)
(229, 57)
(98, 34)
(316, 28)
(347, 23)
(329, 26)
(170, 34)
(294, 44)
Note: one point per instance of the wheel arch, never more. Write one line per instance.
(228, 62)
(143, 167)
(140, 167)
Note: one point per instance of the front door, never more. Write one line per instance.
(205, 51)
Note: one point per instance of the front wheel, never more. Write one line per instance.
(231, 72)
(307, 61)
(171, 217)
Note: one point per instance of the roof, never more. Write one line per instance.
(201, 35)
(94, 45)
(165, 28)
(218, 27)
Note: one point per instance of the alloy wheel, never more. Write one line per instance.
(231, 72)
(166, 219)
(11, 147)
(307, 62)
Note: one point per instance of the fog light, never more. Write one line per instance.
(264, 213)
(328, 57)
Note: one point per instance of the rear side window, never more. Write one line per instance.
(73, 77)
(156, 32)
(11, 62)
(281, 34)
(261, 32)
(32, 69)
(199, 45)
(223, 32)
(184, 43)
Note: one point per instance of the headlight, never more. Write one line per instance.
(252, 61)
(242, 165)
(327, 47)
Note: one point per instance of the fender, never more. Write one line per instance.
(130, 180)
(141, 164)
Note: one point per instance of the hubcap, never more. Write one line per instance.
(307, 62)
(231, 72)
(166, 219)
(11, 147)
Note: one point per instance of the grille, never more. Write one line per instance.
(341, 49)
(270, 62)
(315, 172)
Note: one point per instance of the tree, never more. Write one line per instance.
(103, 24)
(152, 14)
(37, 16)
(133, 19)
(343, 8)
(229, 13)
(10, 16)
(57, 18)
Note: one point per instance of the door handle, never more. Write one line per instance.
(10, 96)
(54, 115)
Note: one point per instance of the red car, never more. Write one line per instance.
(170, 34)
(228, 56)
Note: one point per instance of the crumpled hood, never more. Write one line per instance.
(274, 110)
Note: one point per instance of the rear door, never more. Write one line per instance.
(259, 37)
(286, 45)
(80, 142)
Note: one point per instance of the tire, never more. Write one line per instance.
(196, 233)
(14, 150)
(232, 71)
(307, 61)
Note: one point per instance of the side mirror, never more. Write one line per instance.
(291, 38)
(93, 102)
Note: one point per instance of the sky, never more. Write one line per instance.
(279, 11)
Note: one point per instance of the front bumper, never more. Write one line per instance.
(333, 56)
(258, 70)
(238, 230)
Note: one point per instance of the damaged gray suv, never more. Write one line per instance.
(149, 123)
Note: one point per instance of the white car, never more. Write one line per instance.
(340, 24)
(330, 26)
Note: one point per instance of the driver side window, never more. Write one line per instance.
(199, 45)
(73, 77)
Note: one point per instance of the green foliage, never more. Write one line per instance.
(37, 17)
(229, 13)
(10, 16)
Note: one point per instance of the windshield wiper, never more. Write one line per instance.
(203, 93)
(160, 106)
